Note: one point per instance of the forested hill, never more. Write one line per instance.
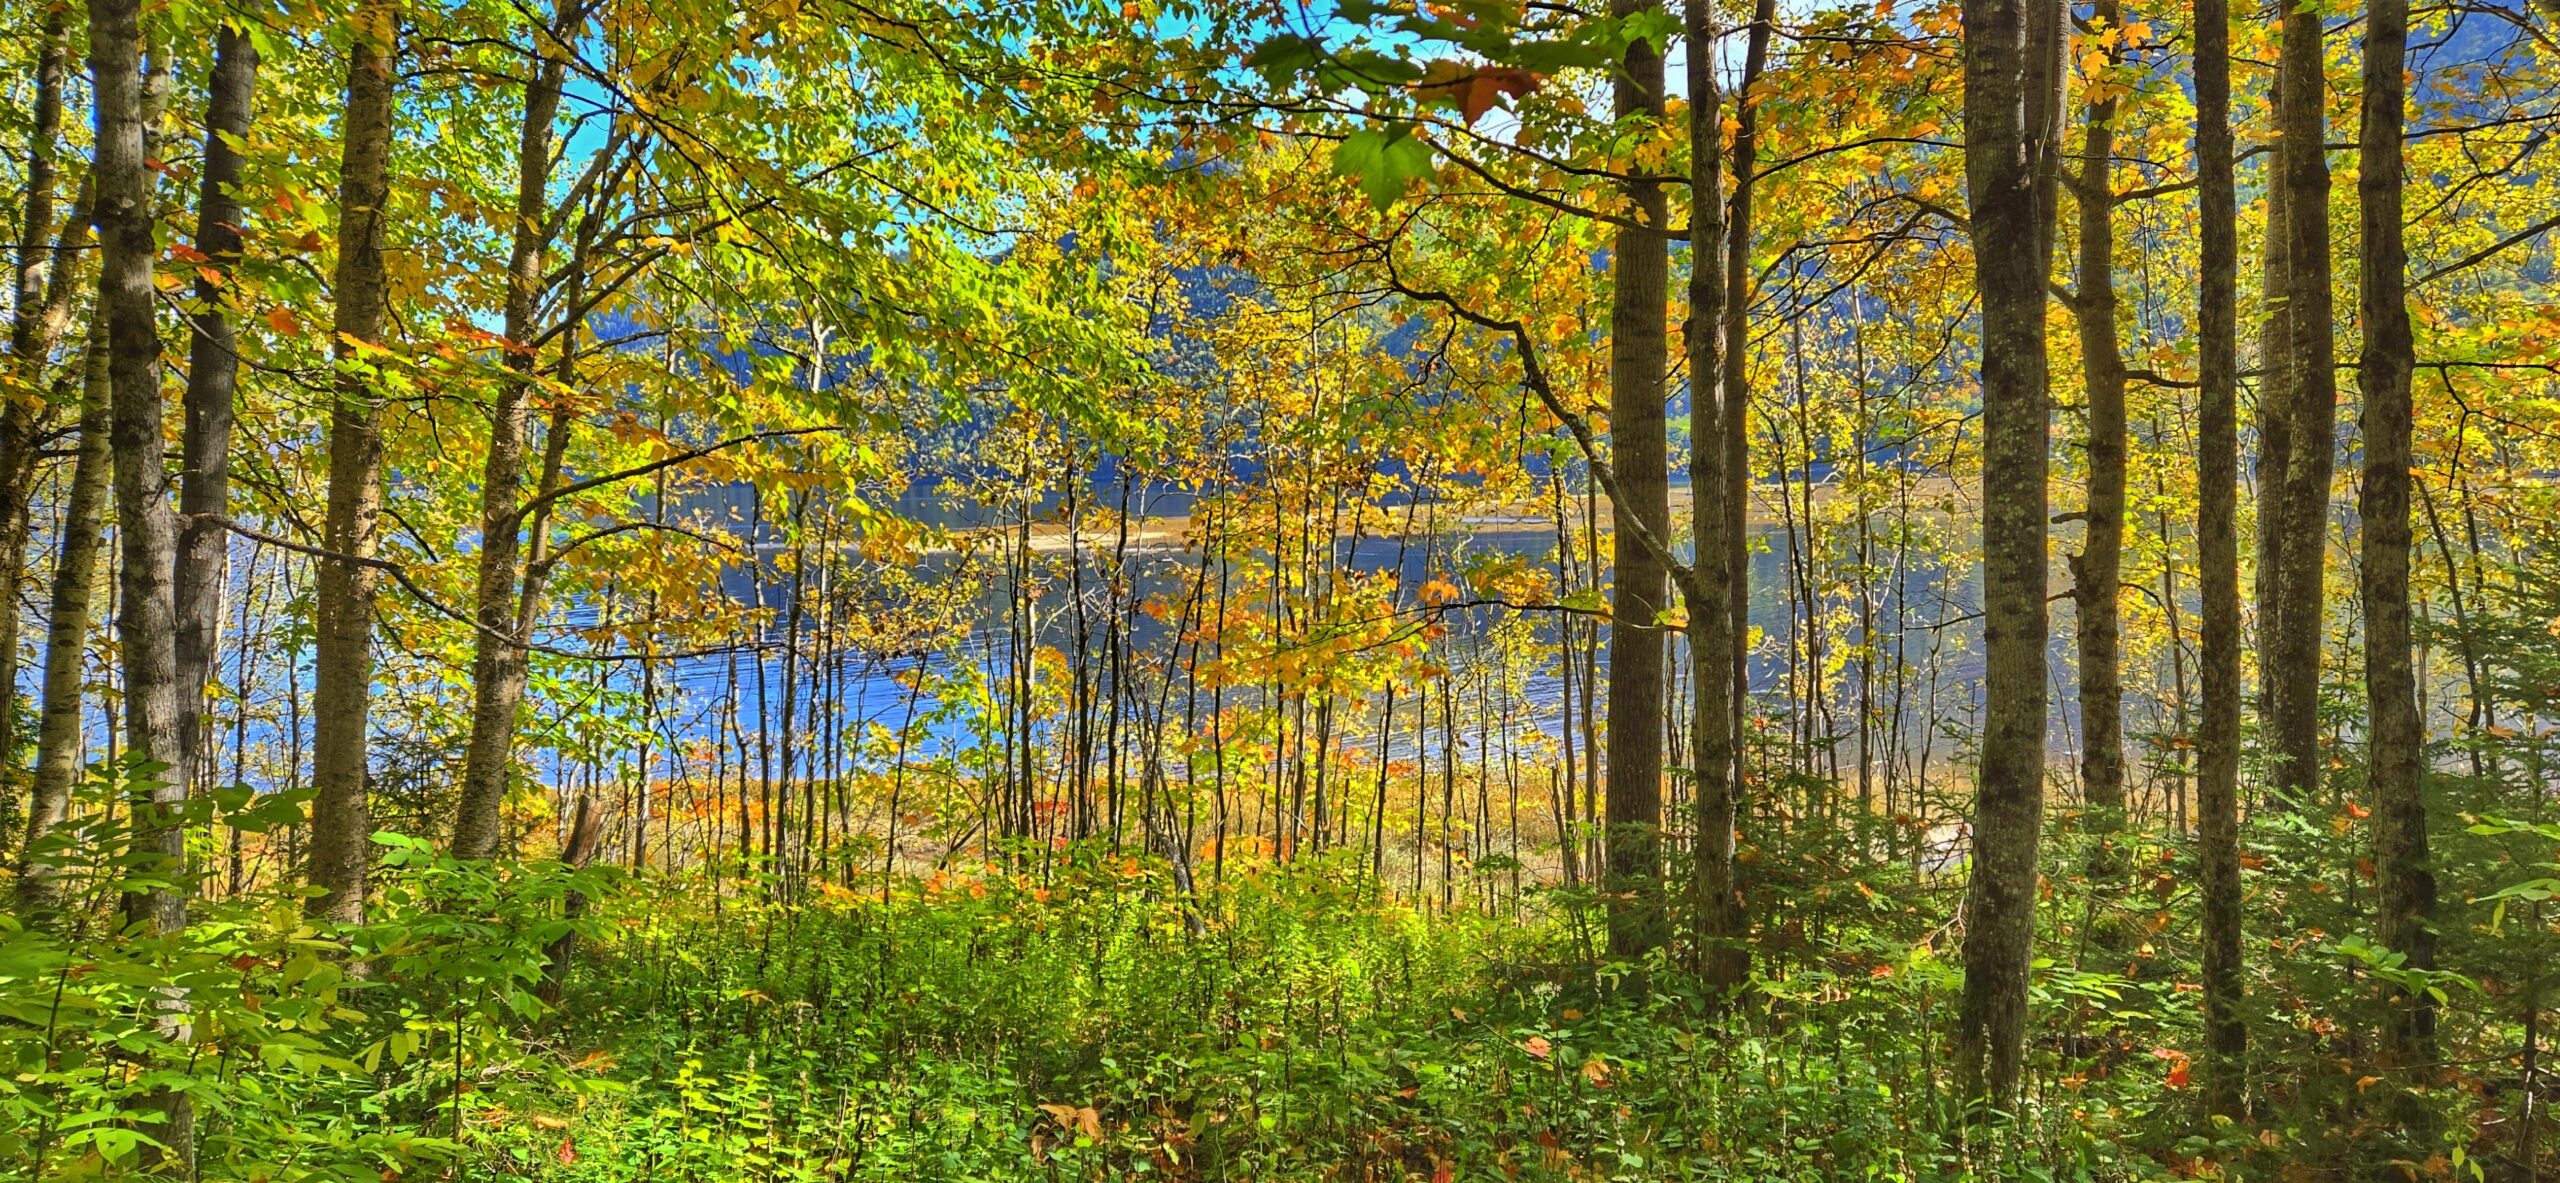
(797, 590)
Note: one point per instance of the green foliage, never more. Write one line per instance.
(305, 1053)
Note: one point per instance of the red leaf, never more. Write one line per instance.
(568, 1152)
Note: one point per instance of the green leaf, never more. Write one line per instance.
(1382, 161)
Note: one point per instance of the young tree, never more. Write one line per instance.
(2405, 884)
(1713, 629)
(213, 370)
(2296, 497)
(2218, 564)
(498, 656)
(61, 749)
(40, 311)
(1639, 274)
(341, 830)
(2098, 570)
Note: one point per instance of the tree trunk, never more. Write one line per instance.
(1712, 631)
(499, 657)
(1719, 407)
(32, 334)
(2309, 411)
(341, 851)
(2012, 69)
(586, 835)
(2405, 886)
(213, 368)
(128, 106)
(130, 83)
(1638, 343)
(1736, 412)
(2098, 570)
(61, 748)
(2275, 435)
(2226, 1036)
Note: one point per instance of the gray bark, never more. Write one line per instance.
(213, 369)
(341, 829)
(33, 332)
(499, 656)
(130, 83)
(2012, 71)
(61, 747)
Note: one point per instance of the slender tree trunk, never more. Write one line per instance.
(586, 836)
(2226, 1036)
(33, 331)
(213, 368)
(2405, 886)
(1638, 343)
(2098, 570)
(128, 106)
(1736, 395)
(2274, 420)
(130, 96)
(1713, 633)
(61, 750)
(2012, 67)
(498, 655)
(341, 855)
(2300, 502)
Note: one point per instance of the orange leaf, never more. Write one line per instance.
(1537, 1046)
(283, 321)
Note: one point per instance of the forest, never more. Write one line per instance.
(1257, 590)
